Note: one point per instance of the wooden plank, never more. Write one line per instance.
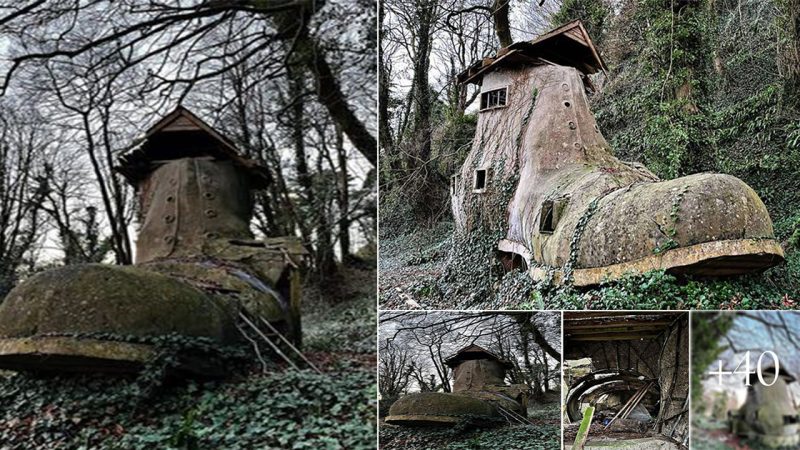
(599, 314)
(614, 337)
(181, 123)
(583, 430)
(605, 324)
(615, 329)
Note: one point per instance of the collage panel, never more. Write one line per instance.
(555, 155)
(469, 380)
(744, 389)
(626, 380)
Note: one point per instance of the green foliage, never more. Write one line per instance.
(775, 289)
(347, 326)
(400, 207)
(517, 437)
(335, 410)
(707, 332)
(593, 14)
(699, 90)
(277, 410)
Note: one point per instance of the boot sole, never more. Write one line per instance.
(709, 259)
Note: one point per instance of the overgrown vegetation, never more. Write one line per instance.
(516, 437)
(279, 408)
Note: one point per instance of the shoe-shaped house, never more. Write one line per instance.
(769, 413)
(197, 266)
(479, 394)
(541, 172)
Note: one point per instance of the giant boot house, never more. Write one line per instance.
(198, 269)
(541, 172)
(479, 393)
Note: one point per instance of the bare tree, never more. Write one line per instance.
(182, 45)
(431, 337)
(394, 370)
(22, 146)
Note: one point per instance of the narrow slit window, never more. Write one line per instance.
(552, 211)
(480, 180)
(453, 184)
(494, 98)
(546, 224)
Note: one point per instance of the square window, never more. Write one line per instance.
(494, 99)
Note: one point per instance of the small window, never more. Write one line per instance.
(481, 178)
(546, 222)
(453, 184)
(552, 210)
(493, 99)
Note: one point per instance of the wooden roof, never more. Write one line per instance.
(182, 134)
(617, 325)
(567, 45)
(474, 352)
(769, 372)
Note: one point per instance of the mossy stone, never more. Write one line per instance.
(442, 404)
(94, 298)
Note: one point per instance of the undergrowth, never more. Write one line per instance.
(517, 437)
(275, 410)
(249, 409)
(776, 288)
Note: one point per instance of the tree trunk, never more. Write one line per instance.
(421, 125)
(297, 113)
(384, 95)
(343, 198)
(502, 26)
(790, 54)
(307, 52)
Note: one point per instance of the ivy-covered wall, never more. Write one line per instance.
(698, 86)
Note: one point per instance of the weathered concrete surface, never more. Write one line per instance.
(608, 216)
(439, 407)
(189, 201)
(70, 354)
(479, 391)
(716, 258)
(97, 298)
(768, 412)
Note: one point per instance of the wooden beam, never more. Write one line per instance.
(630, 325)
(583, 430)
(614, 337)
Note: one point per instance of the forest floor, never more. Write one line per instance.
(544, 434)
(277, 408)
(712, 434)
(418, 271)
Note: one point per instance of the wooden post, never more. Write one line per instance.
(583, 430)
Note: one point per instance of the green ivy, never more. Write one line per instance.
(517, 437)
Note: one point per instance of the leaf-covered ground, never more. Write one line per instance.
(545, 434)
(251, 410)
(419, 270)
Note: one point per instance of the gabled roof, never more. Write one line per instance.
(474, 352)
(181, 134)
(567, 45)
(768, 374)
